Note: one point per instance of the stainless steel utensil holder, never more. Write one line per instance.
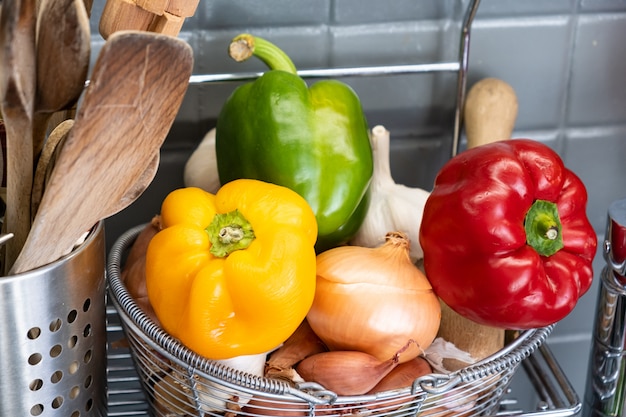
(53, 336)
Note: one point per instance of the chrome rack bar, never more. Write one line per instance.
(460, 66)
(462, 77)
(335, 72)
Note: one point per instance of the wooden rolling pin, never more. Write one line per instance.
(159, 16)
(490, 112)
(489, 115)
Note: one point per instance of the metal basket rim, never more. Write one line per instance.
(157, 338)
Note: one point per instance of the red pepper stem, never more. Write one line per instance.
(244, 46)
(543, 228)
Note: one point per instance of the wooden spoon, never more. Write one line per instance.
(63, 53)
(46, 161)
(490, 114)
(136, 88)
(50, 153)
(17, 92)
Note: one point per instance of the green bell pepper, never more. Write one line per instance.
(312, 140)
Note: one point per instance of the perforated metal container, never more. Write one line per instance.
(178, 382)
(53, 336)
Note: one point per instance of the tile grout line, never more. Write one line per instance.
(561, 138)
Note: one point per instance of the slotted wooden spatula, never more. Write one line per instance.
(136, 88)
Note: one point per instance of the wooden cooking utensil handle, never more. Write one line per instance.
(54, 141)
(124, 15)
(160, 16)
(17, 95)
(180, 8)
(490, 112)
(489, 115)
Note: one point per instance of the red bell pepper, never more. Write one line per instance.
(506, 238)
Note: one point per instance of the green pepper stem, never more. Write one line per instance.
(543, 228)
(245, 45)
(229, 232)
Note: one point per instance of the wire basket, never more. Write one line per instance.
(178, 382)
(53, 336)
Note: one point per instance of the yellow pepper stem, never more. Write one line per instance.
(229, 232)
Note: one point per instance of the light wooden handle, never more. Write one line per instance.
(159, 16)
(180, 8)
(490, 112)
(123, 15)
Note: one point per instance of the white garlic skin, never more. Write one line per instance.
(201, 167)
(393, 207)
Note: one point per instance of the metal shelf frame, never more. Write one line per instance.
(557, 398)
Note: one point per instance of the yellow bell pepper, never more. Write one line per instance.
(233, 273)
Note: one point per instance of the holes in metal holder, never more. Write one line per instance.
(36, 410)
(71, 342)
(56, 377)
(55, 325)
(33, 333)
(34, 359)
(36, 384)
(54, 356)
(55, 351)
(71, 317)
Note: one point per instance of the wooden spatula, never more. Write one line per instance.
(63, 53)
(17, 95)
(136, 88)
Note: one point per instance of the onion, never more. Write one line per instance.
(374, 300)
(345, 372)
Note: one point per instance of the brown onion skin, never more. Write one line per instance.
(374, 299)
(134, 271)
(345, 372)
(300, 345)
(136, 254)
(403, 375)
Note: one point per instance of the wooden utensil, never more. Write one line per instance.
(135, 90)
(50, 153)
(159, 16)
(46, 161)
(63, 53)
(489, 115)
(140, 185)
(17, 92)
(490, 112)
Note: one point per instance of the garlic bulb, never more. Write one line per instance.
(393, 207)
(201, 167)
(180, 393)
(216, 397)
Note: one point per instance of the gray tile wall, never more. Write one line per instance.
(565, 59)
